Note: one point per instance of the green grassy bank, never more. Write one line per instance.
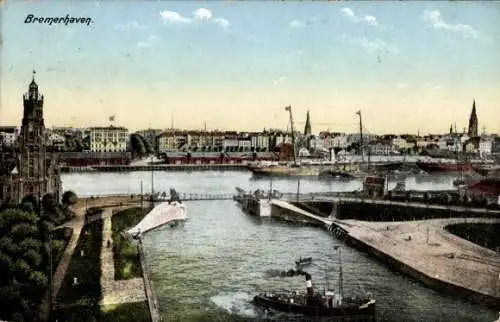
(125, 255)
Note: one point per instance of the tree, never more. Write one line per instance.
(69, 198)
(147, 145)
(137, 145)
(23, 281)
(32, 201)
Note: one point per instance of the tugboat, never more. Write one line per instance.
(326, 304)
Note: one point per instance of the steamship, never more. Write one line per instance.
(319, 304)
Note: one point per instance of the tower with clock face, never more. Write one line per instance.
(35, 168)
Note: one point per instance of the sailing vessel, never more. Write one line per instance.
(326, 304)
(295, 168)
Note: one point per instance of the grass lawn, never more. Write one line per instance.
(86, 268)
(126, 312)
(125, 255)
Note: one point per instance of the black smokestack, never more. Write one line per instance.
(309, 286)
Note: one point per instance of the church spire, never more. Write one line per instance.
(473, 122)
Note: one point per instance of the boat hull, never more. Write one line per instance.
(316, 311)
(436, 167)
(311, 171)
(488, 171)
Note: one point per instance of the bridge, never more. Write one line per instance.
(335, 197)
(164, 196)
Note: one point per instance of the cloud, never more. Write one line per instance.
(307, 22)
(402, 85)
(280, 80)
(173, 17)
(222, 22)
(200, 14)
(134, 25)
(436, 21)
(147, 43)
(374, 47)
(297, 24)
(349, 14)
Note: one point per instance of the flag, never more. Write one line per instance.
(111, 118)
(288, 108)
(358, 112)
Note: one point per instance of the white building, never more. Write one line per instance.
(259, 141)
(485, 146)
(8, 135)
(400, 143)
(56, 140)
(230, 141)
(340, 141)
(317, 143)
(245, 143)
(108, 139)
(172, 140)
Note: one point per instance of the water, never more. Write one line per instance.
(210, 268)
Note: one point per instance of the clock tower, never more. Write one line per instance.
(35, 168)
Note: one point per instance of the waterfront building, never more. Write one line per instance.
(55, 141)
(108, 139)
(231, 142)
(260, 141)
(381, 147)
(401, 143)
(317, 143)
(8, 135)
(30, 170)
(172, 140)
(339, 141)
(485, 145)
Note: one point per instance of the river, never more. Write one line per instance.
(209, 268)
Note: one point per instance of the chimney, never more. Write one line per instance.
(309, 286)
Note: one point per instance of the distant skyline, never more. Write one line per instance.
(408, 66)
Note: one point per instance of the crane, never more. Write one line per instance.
(289, 109)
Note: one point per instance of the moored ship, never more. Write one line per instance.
(448, 166)
(488, 170)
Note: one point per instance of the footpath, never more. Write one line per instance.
(77, 225)
(116, 292)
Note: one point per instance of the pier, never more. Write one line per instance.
(157, 167)
(422, 249)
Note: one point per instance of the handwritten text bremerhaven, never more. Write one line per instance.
(58, 20)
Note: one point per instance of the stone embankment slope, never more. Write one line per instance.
(426, 251)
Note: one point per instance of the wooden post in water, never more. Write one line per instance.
(298, 189)
(142, 196)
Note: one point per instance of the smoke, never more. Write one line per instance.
(289, 273)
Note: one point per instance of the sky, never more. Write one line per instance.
(408, 66)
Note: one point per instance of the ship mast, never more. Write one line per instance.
(341, 281)
(289, 109)
(361, 135)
